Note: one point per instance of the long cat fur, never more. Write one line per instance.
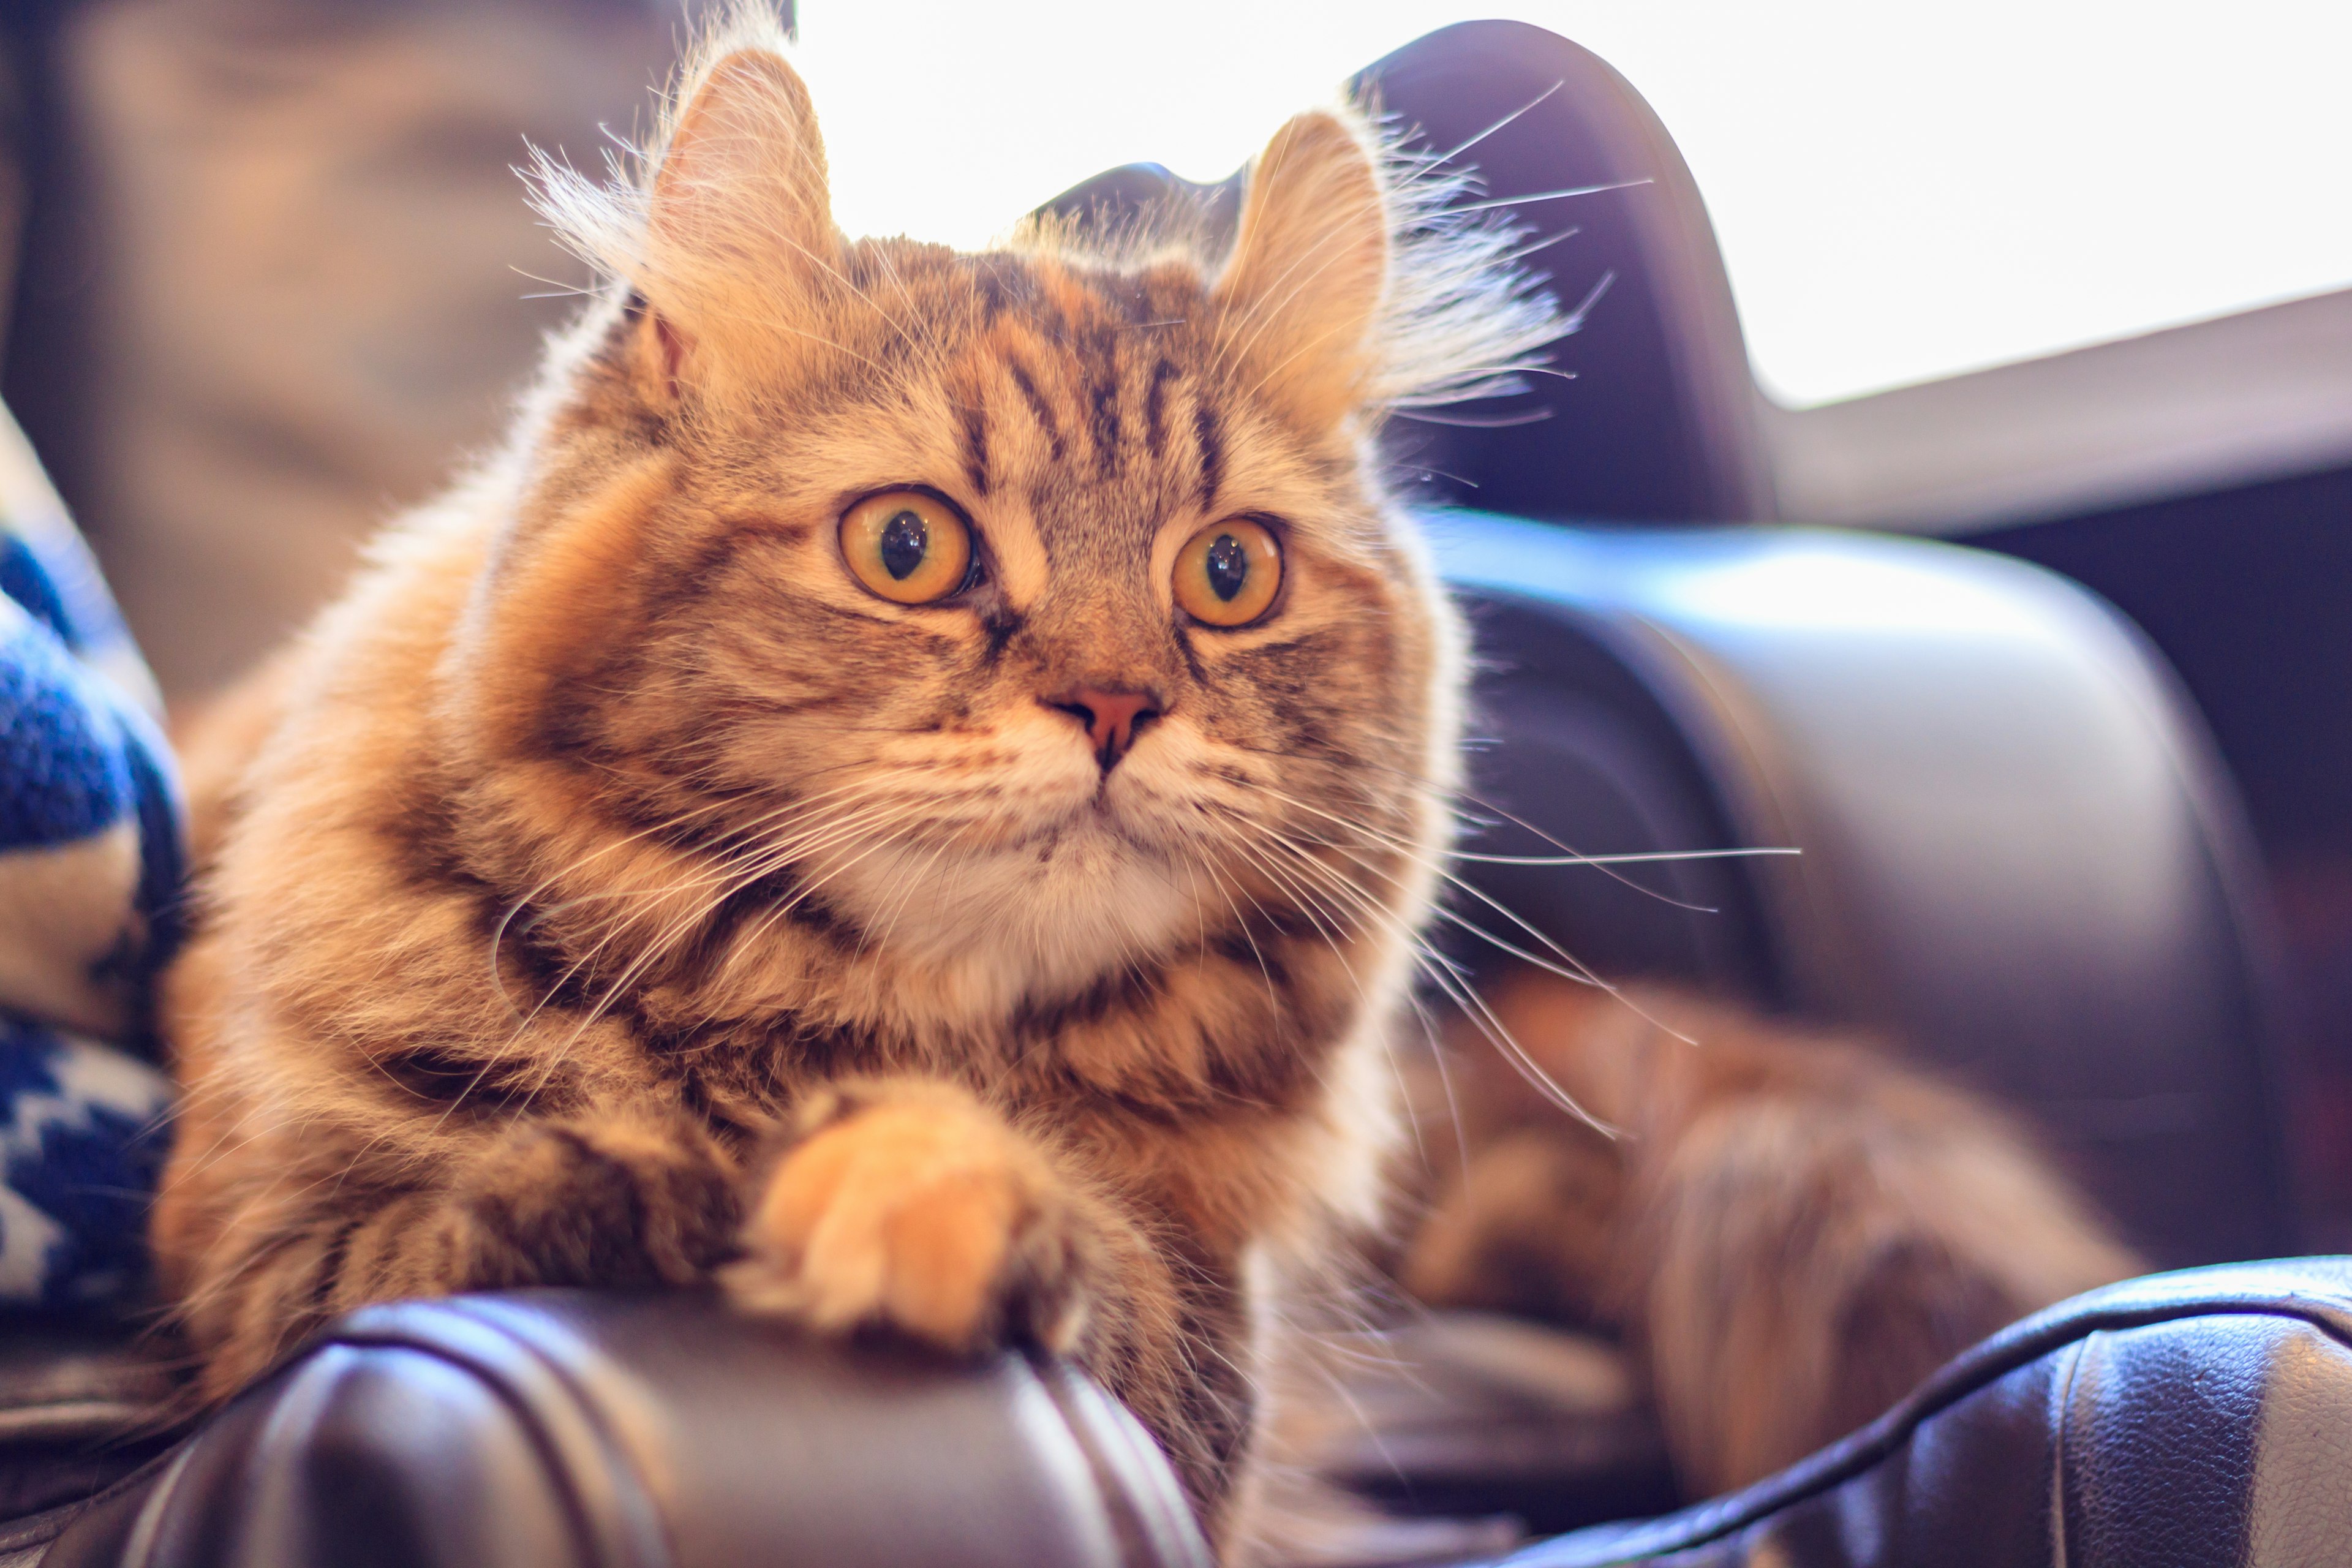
(1790, 1228)
(609, 889)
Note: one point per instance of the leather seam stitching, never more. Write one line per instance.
(2064, 1412)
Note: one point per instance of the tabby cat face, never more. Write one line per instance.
(1030, 612)
(1056, 762)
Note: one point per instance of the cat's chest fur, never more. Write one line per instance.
(1161, 1045)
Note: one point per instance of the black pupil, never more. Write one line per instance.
(904, 542)
(1228, 567)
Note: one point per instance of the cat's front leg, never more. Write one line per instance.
(264, 1240)
(908, 1203)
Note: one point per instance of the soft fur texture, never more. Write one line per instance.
(1791, 1228)
(611, 890)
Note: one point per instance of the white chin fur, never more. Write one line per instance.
(1035, 923)
(1048, 896)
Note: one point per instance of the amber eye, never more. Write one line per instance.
(1227, 573)
(907, 546)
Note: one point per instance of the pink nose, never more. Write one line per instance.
(1112, 718)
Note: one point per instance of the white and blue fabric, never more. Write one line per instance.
(90, 864)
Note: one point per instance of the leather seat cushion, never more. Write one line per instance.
(2203, 1418)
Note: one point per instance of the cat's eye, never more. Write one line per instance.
(1228, 573)
(909, 546)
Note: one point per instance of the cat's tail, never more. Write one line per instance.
(1791, 1228)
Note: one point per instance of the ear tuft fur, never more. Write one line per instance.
(1364, 283)
(1463, 317)
(1305, 283)
(1455, 316)
(725, 214)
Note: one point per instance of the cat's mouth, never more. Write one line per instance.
(1041, 808)
(1042, 907)
(1101, 821)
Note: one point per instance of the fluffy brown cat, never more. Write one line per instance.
(1791, 1229)
(907, 787)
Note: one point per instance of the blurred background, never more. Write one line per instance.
(2070, 279)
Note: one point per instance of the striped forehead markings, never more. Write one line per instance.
(975, 446)
(1105, 411)
(1106, 429)
(1155, 406)
(1038, 407)
(1208, 436)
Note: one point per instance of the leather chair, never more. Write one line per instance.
(2019, 855)
(572, 1429)
(2179, 1421)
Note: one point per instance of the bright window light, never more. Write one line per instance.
(1903, 191)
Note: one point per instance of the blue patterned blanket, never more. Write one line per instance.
(89, 881)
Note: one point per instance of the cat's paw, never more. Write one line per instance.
(921, 1210)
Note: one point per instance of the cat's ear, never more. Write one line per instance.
(1304, 286)
(739, 236)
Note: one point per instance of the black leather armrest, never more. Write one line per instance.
(574, 1428)
(2201, 1419)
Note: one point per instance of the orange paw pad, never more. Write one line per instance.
(905, 1214)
